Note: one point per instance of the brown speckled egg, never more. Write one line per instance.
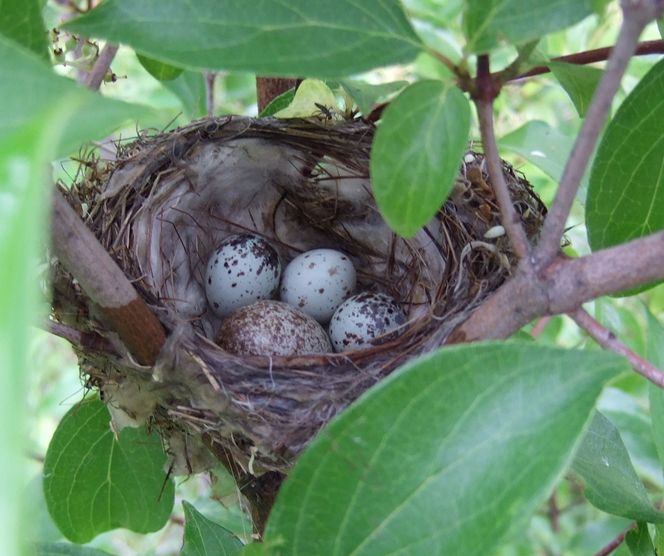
(363, 317)
(272, 328)
(243, 269)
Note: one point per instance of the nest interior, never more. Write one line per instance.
(162, 208)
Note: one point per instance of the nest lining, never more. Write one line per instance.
(168, 201)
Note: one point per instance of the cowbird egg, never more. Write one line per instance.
(317, 281)
(243, 269)
(363, 317)
(272, 328)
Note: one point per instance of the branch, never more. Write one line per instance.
(637, 14)
(563, 287)
(210, 78)
(486, 91)
(607, 339)
(584, 58)
(104, 282)
(613, 545)
(87, 340)
(101, 67)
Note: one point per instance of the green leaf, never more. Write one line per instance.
(327, 38)
(367, 95)
(159, 70)
(21, 21)
(542, 145)
(578, 81)
(660, 26)
(24, 159)
(446, 456)
(278, 103)
(33, 88)
(639, 542)
(203, 537)
(311, 97)
(65, 549)
(417, 152)
(611, 482)
(487, 23)
(95, 482)
(626, 190)
(189, 87)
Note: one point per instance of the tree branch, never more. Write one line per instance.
(87, 340)
(210, 78)
(607, 339)
(101, 67)
(563, 287)
(486, 91)
(584, 58)
(104, 282)
(637, 14)
(613, 545)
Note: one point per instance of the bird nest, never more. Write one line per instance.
(161, 209)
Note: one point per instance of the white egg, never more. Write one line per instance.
(272, 328)
(317, 282)
(242, 270)
(363, 317)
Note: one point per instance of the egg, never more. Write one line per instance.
(242, 270)
(318, 281)
(272, 328)
(363, 317)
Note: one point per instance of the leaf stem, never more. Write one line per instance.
(607, 339)
(485, 93)
(636, 16)
(614, 544)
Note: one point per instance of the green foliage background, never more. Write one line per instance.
(45, 119)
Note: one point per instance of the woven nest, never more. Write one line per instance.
(169, 200)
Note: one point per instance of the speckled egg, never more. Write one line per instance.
(362, 318)
(317, 282)
(272, 328)
(242, 270)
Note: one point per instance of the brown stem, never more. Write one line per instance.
(607, 339)
(589, 57)
(210, 78)
(101, 67)
(563, 287)
(613, 545)
(261, 491)
(637, 14)
(104, 282)
(268, 88)
(87, 340)
(554, 513)
(539, 327)
(486, 92)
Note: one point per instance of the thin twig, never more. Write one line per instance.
(607, 339)
(635, 19)
(510, 218)
(539, 327)
(101, 67)
(588, 57)
(554, 513)
(613, 545)
(88, 340)
(210, 78)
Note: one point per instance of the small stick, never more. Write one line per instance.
(607, 339)
(486, 91)
(636, 17)
(101, 67)
(210, 77)
(613, 545)
(87, 340)
(590, 57)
